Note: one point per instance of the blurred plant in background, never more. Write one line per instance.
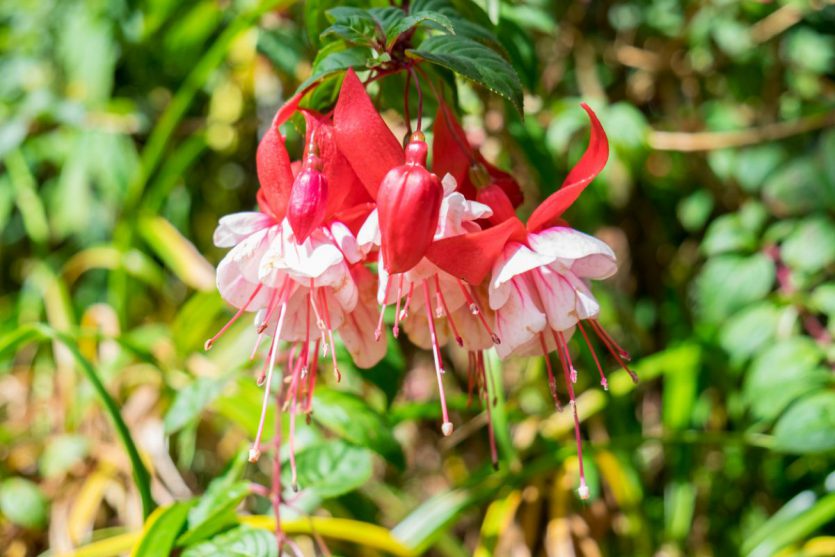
(128, 128)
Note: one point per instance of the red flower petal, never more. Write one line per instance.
(471, 256)
(274, 174)
(362, 135)
(345, 187)
(586, 169)
(448, 150)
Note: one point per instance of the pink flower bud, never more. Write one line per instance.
(408, 203)
(308, 199)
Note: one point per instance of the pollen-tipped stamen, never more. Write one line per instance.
(552, 381)
(562, 352)
(208, 344)
(491, 432)
(475, 309)
(442, 302)
(396, 328)
(603, 380)
(404, 313)
(255, 451)
(447, 426)
(326, 311)
(612, 348)
(607, 338)
(311, 379)
(378, 332)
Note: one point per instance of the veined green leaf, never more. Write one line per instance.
(473, 61)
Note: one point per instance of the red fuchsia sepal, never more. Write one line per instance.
(274, 173)
(470, 257)
(586, 170)
(362, 136)
(408, 204)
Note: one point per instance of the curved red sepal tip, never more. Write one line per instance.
(362, 135)
(586, 169)
(274, 173)
(470, 257)
(448, 155)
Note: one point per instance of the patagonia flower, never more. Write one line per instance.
(538, 271)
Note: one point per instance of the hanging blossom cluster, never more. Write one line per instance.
(452, 258)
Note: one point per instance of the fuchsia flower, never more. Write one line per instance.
(538, 289)
(441, 246)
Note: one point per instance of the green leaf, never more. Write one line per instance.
(694, 210)
(352, 419)
(811, 247)
(807, 425)
(215, 509)
(425, 523)
(23, 503)
(797, 188)
(243, 541)
(749, 330)
(796, 520)
(781, 374)
(728, 234)
(332, 60)
(191, 401)
(332, 468)
(473, 61)
(435, 19)
(161, 530)
(728, 283)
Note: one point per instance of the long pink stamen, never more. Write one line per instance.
(601, 334)
(491, 433)
(208, 344)
(562, 351)
(609, 340)
(311, 379)
(292, 392)
(471, 376)
(447, 313)
(255, 451)
(273, 304)
(330, 334)
(404, 313)
(552, 381)
(475, 309)
(447, 426)
(256, 346)
(396, 329)
(378, 332)
(276, 485)
(603, 380)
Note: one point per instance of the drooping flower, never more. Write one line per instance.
(538, 271)
(428, 301)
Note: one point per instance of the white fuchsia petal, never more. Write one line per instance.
(520, 318)
(234, 228)
(587, 256)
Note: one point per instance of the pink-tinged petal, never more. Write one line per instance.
(346, 241)
(516, 259)
(586, 169)
(362, 135)
(234, 228)
(247, 255)
(305, 261)
(586, 304)
(585, 255)
(369, 234)
(358, 328)
(520, 318)
(274, 173)
(470, 257)
(558, 297)
(416, 327)
(236, 290)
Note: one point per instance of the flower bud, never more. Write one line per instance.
(408, 203)
(491, 194)
(308, 199)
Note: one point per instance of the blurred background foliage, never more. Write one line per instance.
(127, 128)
